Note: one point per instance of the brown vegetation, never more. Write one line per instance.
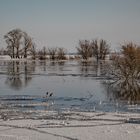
(100, 49)
(95, 48)
(85, 49)
(127, 73)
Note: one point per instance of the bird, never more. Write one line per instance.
(47, 93)
(51, 94)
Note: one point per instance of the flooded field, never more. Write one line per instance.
(31, 86)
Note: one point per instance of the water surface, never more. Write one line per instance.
(75, 85)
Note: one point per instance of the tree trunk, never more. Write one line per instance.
(13, 52)
(25, 53)
(17, 54)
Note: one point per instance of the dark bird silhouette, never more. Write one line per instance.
(51, 94)
(47, 93)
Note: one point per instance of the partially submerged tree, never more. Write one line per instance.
(3, 51)
(126, 73)
(12, 39)
(61, 54)
(52, 52)
(100, 49)
(33, 51)
(129, 63)
(28, 44)
(18, 43)
(42, 53)
(96, 48)
(85, 49)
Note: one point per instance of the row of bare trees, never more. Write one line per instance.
(95, 48)
(53, 53)
(20, 45)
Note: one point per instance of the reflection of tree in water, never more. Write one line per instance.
(14, 78)
(57, 65)
(93, 67)
(43, 65)
(61, 65)
(85, 67)
(19, 73)
(29, 68)
(126, 90)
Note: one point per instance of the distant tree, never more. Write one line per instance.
(84, 49)
(52, 53)
(61, 54)
(10, 44)
(100, 49)
(27, 44)
(42, 53)
(3, 51)
(18, 42)
(13, 42)
(33, 51)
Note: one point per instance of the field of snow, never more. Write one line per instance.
(73, 126)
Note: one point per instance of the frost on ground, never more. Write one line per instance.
(69, 125)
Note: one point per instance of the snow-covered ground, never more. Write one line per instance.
(73, 126)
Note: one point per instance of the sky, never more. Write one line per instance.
(62, 23)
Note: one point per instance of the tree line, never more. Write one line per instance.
(21, 45)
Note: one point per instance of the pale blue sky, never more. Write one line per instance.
(63, 22)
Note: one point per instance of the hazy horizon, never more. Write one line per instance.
(62, 23)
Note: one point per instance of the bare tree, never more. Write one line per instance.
(18, 43)
(3, 51)
(42, 53)
(13, 41)
(61, 54)
(33, 51)
(27, 44)
(84, 49)
(52, 53)
(10, 45)
(100, 49)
